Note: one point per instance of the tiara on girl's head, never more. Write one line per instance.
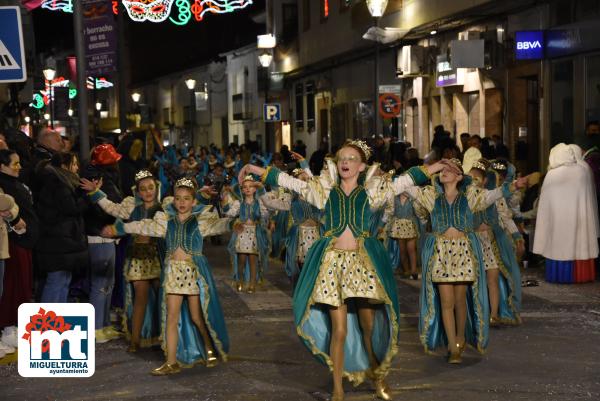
(249, 177)
(185, 183)
(457, 163)
(499, 166)
(480, 165)
(362, 145)
(140, 175)
(297, 171)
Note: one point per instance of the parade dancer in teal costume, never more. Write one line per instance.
(305, 228)
(453, 291)
(405, 230)
(345, 303)
(141, 321)
(194, 328)
(249, 244)
(500, 261)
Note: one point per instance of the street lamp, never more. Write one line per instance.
(49, 75)
(376, 9)
(135, 96)
(191, 85)
(265, 59)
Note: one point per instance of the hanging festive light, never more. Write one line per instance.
(179, 12)
(377, 7)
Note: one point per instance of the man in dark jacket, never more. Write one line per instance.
(103, 166)
(49, 143)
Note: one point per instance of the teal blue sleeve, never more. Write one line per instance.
(303, 164)
(120, 227)
(270, 177)
(96, 196)
(419, 175)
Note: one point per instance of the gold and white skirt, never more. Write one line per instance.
(246, 240)
(347, 274)
(307, 235)
(181, 278)
(453, 261)
(403, 229)
(144, 263)
(487, 248)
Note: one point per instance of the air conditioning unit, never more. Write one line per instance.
(410, 61)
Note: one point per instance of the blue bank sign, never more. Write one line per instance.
(530, 45)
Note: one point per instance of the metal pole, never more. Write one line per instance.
(267, 125)
(192, 115)
(121, 69)
(84, 139)
(376, 84)
(51, 105)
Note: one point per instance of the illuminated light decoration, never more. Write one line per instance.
(100, 83)
(38, 101)
(154, 11)
(72, 93)
(58, 5)
(160, 10)
(325, 8)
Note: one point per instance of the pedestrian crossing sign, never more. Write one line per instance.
(12, 51)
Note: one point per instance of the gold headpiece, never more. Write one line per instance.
(249, 177)
(499, 166)
(185, 183)
(297, 171)
(480, 165)
(458, 164)
(362, 145)
(140, 175)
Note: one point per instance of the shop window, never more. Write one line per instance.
(562, 102)
(299, 95)
(310, 105)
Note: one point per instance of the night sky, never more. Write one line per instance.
(157, 49)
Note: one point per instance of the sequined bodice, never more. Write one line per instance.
(352, 211)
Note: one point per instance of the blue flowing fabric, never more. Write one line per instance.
(278, 237)
(559, 271)
(251, 212)
(301, 211)
(431, 328)
(191, 347)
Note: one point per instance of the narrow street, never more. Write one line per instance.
(554, 355)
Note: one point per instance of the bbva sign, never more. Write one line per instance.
(529, 45)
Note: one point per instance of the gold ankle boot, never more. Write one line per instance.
(239, 286)
(167, 369)
(211, 358)
(251, 288)
(382, 390)
(495, 322)
(454, 357)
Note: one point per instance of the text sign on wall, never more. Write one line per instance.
(445, 75)
(529, 45)
(100, 33)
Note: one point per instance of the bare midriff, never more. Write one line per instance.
(453, 233)
(180, 255)
(483, 228)
(142, 239)
(346, 241)
(309, 223)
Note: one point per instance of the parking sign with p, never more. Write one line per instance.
(272, 112)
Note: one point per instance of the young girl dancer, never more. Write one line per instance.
(345, 303)
(143, 259)
(249, 244)
(453, 262)
(501, 268)
(189, 292)
(405, 230)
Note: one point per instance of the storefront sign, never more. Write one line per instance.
(395, 89)
(530, 45)
(445, 74)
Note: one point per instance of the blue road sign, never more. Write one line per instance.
(272, 112)
(12, 51)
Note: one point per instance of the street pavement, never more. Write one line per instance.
(554, 355)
